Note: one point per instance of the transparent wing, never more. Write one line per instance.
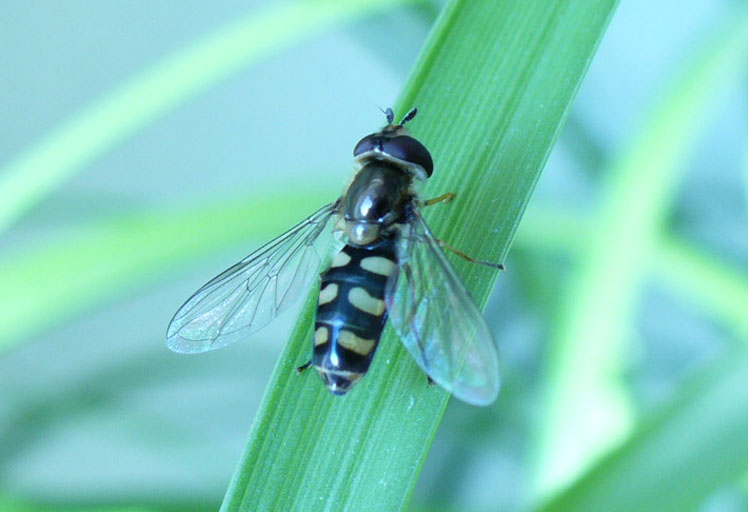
(438, 321)
(248, 295)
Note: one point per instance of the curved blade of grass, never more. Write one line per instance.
(493, 87)
(586, 358)
(27, 178)
(673, 461)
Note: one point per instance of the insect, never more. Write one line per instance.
(386, 264)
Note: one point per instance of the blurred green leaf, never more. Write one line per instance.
(135, 104)
(675, 459)
(8, 504)
(493, 87)
(119, 255)
(716, 287)
(586, 353)
(24, 507)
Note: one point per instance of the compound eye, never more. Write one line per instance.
(409, 149)
(403, 147)
(369, 143)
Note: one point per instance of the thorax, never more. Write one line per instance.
(374, 200)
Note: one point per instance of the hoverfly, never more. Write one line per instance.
(386, 264)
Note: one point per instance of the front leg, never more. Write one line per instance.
(445, 198)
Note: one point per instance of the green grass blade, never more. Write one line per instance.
(11, 504)
(118, 256)
(718, 288)
(19, 506)
(715, 286)
(493, 87)
(93, 131)
(586, 357)
(673, 461)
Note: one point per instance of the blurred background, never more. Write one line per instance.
(126, 182)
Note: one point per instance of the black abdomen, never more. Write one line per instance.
(351, 313)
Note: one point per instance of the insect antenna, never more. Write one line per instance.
(407, 117)
(389, 114)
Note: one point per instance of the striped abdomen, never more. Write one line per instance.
(351, 313)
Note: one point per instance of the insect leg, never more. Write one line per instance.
(464, 256)
(442, 198)
(300, 369)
